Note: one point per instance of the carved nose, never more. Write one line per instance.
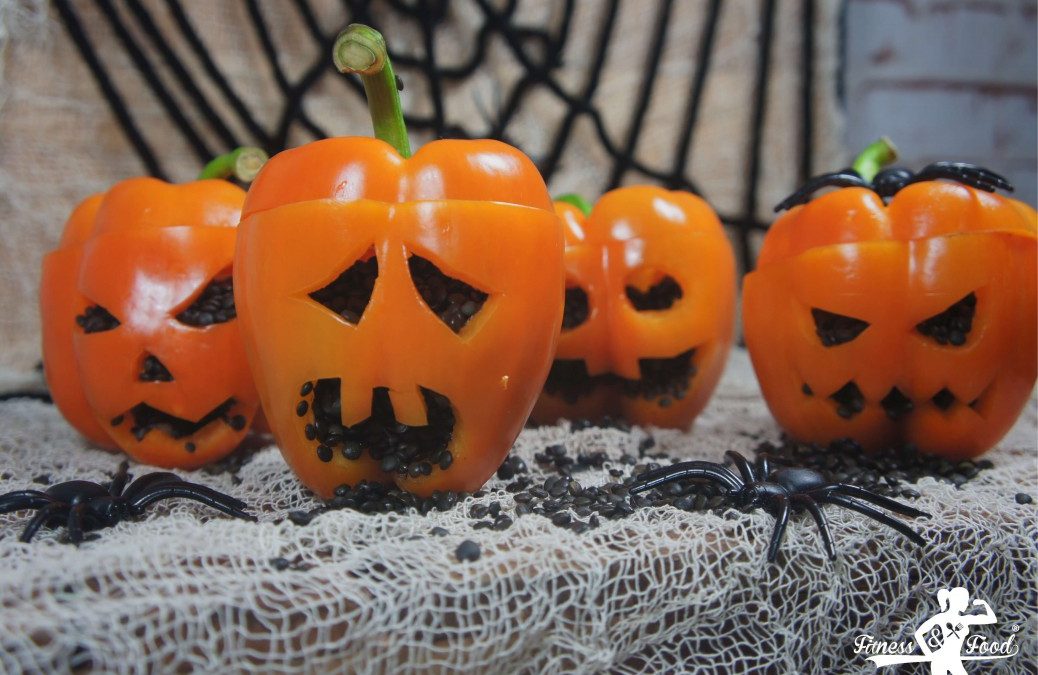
(152, 370)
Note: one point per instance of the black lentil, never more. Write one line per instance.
(849, 400)
(661, 295)
(152, 370)
(96, 319)
(951, 326)
(836, 329)
(576, 308)
(662, 379)
(1023, 498)
(943, 399)
(397, 447)
(453, 300)
(896, 404)
(214, 305)
(467, 551)
(146, 418)
(349, 293)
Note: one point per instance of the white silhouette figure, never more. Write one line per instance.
(947, 630)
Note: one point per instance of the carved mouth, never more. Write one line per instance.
(406, 450)
(849, 401)
(144, 419)
(663, 380)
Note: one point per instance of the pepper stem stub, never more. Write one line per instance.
(362, 50)
(242, 163)
(576, 200)
(874, 157)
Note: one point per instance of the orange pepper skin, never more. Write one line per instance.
(144, 251)
(59, 307)
(635, 237)
(894, 266)
(480, 212)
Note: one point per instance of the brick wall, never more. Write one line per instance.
(946, 79)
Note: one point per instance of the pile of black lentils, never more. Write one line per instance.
(554, 488)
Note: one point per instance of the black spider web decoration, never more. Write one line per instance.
(537, 49)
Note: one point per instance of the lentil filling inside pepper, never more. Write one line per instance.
(665, 379)
(407, 450)
(147, 418)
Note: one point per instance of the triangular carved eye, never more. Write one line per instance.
(214, 305)
(349, 294)
(96, 319)
(661, 295)
(836, 329)
(951, 326)
(454, 301)
(577, 308)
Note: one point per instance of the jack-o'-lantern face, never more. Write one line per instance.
(400, 313)
(649, 310)
(912, 322)
(156, 345)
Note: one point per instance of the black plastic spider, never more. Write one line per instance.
(781, 490)
(83, 506)
(889, 181)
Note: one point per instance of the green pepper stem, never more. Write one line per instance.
(243, 163)
(874, 157)
(577, 201)
(361, 49)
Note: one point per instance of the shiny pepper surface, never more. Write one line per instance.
(908, 322)
(650, 279)
(400, 314)
(130, 354)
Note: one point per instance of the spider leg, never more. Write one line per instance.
(845, 178)
(763, 465)
(41, 518)
(878, 500)
(969, 174)
(148, 480)
(823, 525)
(74, 528)
(24, 499)
(695, 469)
(199, 493)
(875, 514)
(781, 520)
(119, 479)
(743, 464)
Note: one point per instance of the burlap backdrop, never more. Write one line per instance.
(60, 142)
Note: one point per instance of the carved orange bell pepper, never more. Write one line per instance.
(399, 312)
(897, 310)
(140, 343)
(650, 302)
